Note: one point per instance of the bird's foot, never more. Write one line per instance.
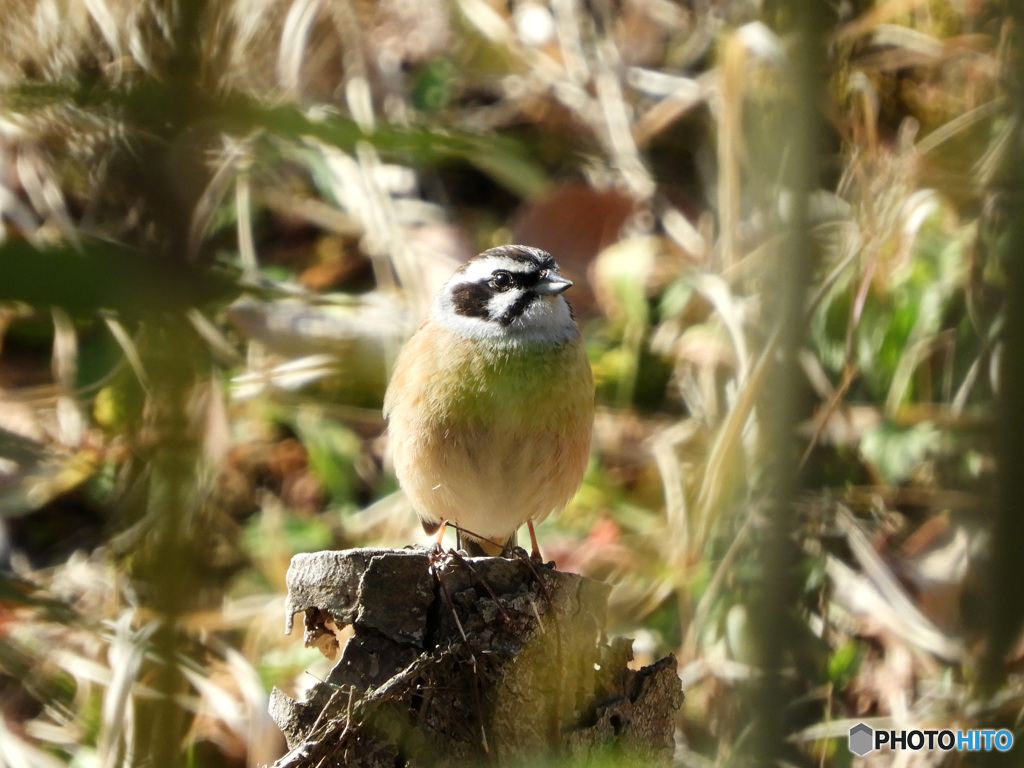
(533, 558)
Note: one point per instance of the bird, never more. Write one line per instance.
(490, 406)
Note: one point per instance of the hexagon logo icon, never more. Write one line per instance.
(862, 738)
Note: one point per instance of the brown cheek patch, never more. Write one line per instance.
(470, 299)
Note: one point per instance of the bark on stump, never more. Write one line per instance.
(474, 661)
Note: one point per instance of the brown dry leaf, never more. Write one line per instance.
(878, 597)
(335, 262)
(938, 558)
(323, 634)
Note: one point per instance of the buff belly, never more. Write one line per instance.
(490, 439)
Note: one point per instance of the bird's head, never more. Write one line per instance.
(510, 293)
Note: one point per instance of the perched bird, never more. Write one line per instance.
(491, 404)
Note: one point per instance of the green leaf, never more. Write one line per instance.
(334, 450)
(104, 275)
(895, 450)
(843, 664)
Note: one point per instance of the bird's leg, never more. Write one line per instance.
(535, 553)
(440, 536)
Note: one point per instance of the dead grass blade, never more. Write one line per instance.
(724, 466)
(879, 594)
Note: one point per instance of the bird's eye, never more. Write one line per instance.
(501, 280)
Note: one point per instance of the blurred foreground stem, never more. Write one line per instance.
(1005, 609)
(773, 608)
(168, 568)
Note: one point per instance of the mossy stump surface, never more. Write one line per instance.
(471, 661)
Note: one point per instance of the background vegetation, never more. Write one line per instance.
(796, 234)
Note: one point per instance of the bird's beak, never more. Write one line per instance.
(552, 284)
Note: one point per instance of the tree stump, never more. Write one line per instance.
(467, 661)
